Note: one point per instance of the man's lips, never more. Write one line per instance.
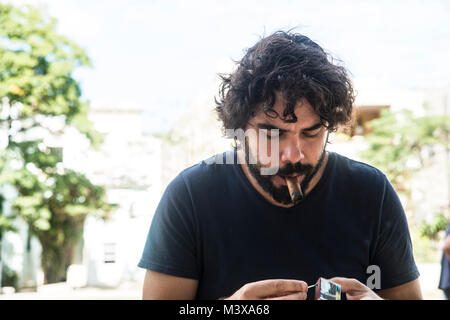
(281, 179)
(291, 175)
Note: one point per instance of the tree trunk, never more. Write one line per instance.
(58, 246)
(55, 261)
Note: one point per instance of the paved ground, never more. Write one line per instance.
(133, 290)
(429, 280)
(61, 291)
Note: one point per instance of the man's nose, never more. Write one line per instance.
(292, 152)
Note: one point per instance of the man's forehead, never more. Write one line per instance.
(303, 110)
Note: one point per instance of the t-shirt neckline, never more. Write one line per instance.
(309, 197)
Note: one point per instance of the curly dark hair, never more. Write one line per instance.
(295, 66)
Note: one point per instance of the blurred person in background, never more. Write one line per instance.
(444, 282)
(228, 231)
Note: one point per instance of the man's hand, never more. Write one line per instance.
(273, 289)
(355, 290)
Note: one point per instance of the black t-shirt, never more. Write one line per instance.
(212, 225)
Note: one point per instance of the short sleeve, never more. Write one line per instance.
(170, 247)
(393, 251)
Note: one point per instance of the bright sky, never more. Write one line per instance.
(161, 55)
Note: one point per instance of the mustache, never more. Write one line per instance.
(296, 168)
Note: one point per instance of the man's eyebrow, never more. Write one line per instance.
(270, 127)
(314, 127)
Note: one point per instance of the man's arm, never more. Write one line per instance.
(355, 290)
(407, 291)
(160, 286)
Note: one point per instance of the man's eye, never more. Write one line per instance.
(311, 134)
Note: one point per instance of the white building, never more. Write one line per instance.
(128, 164)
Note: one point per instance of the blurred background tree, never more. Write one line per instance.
(400, 144)
(40, 100)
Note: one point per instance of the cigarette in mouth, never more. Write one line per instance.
(295, 190)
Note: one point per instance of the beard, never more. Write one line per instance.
(281, 194)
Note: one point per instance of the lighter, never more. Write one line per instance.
(327, 290)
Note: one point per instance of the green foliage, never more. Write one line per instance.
(36, 88)
(401, 143)
(425, 249)
(431, 230)
(6, 224)
(9, 277)
(36, 66)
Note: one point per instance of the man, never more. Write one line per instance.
(231, 229)
(444, 280)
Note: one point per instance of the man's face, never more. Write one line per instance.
(301, 149)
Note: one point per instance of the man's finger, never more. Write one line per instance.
(348, 284)
(276, 287)
(291, 296)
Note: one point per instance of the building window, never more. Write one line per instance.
(109, 252)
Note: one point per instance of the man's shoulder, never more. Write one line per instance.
(357, 170)
(213, 168)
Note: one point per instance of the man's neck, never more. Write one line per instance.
(267, 196)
